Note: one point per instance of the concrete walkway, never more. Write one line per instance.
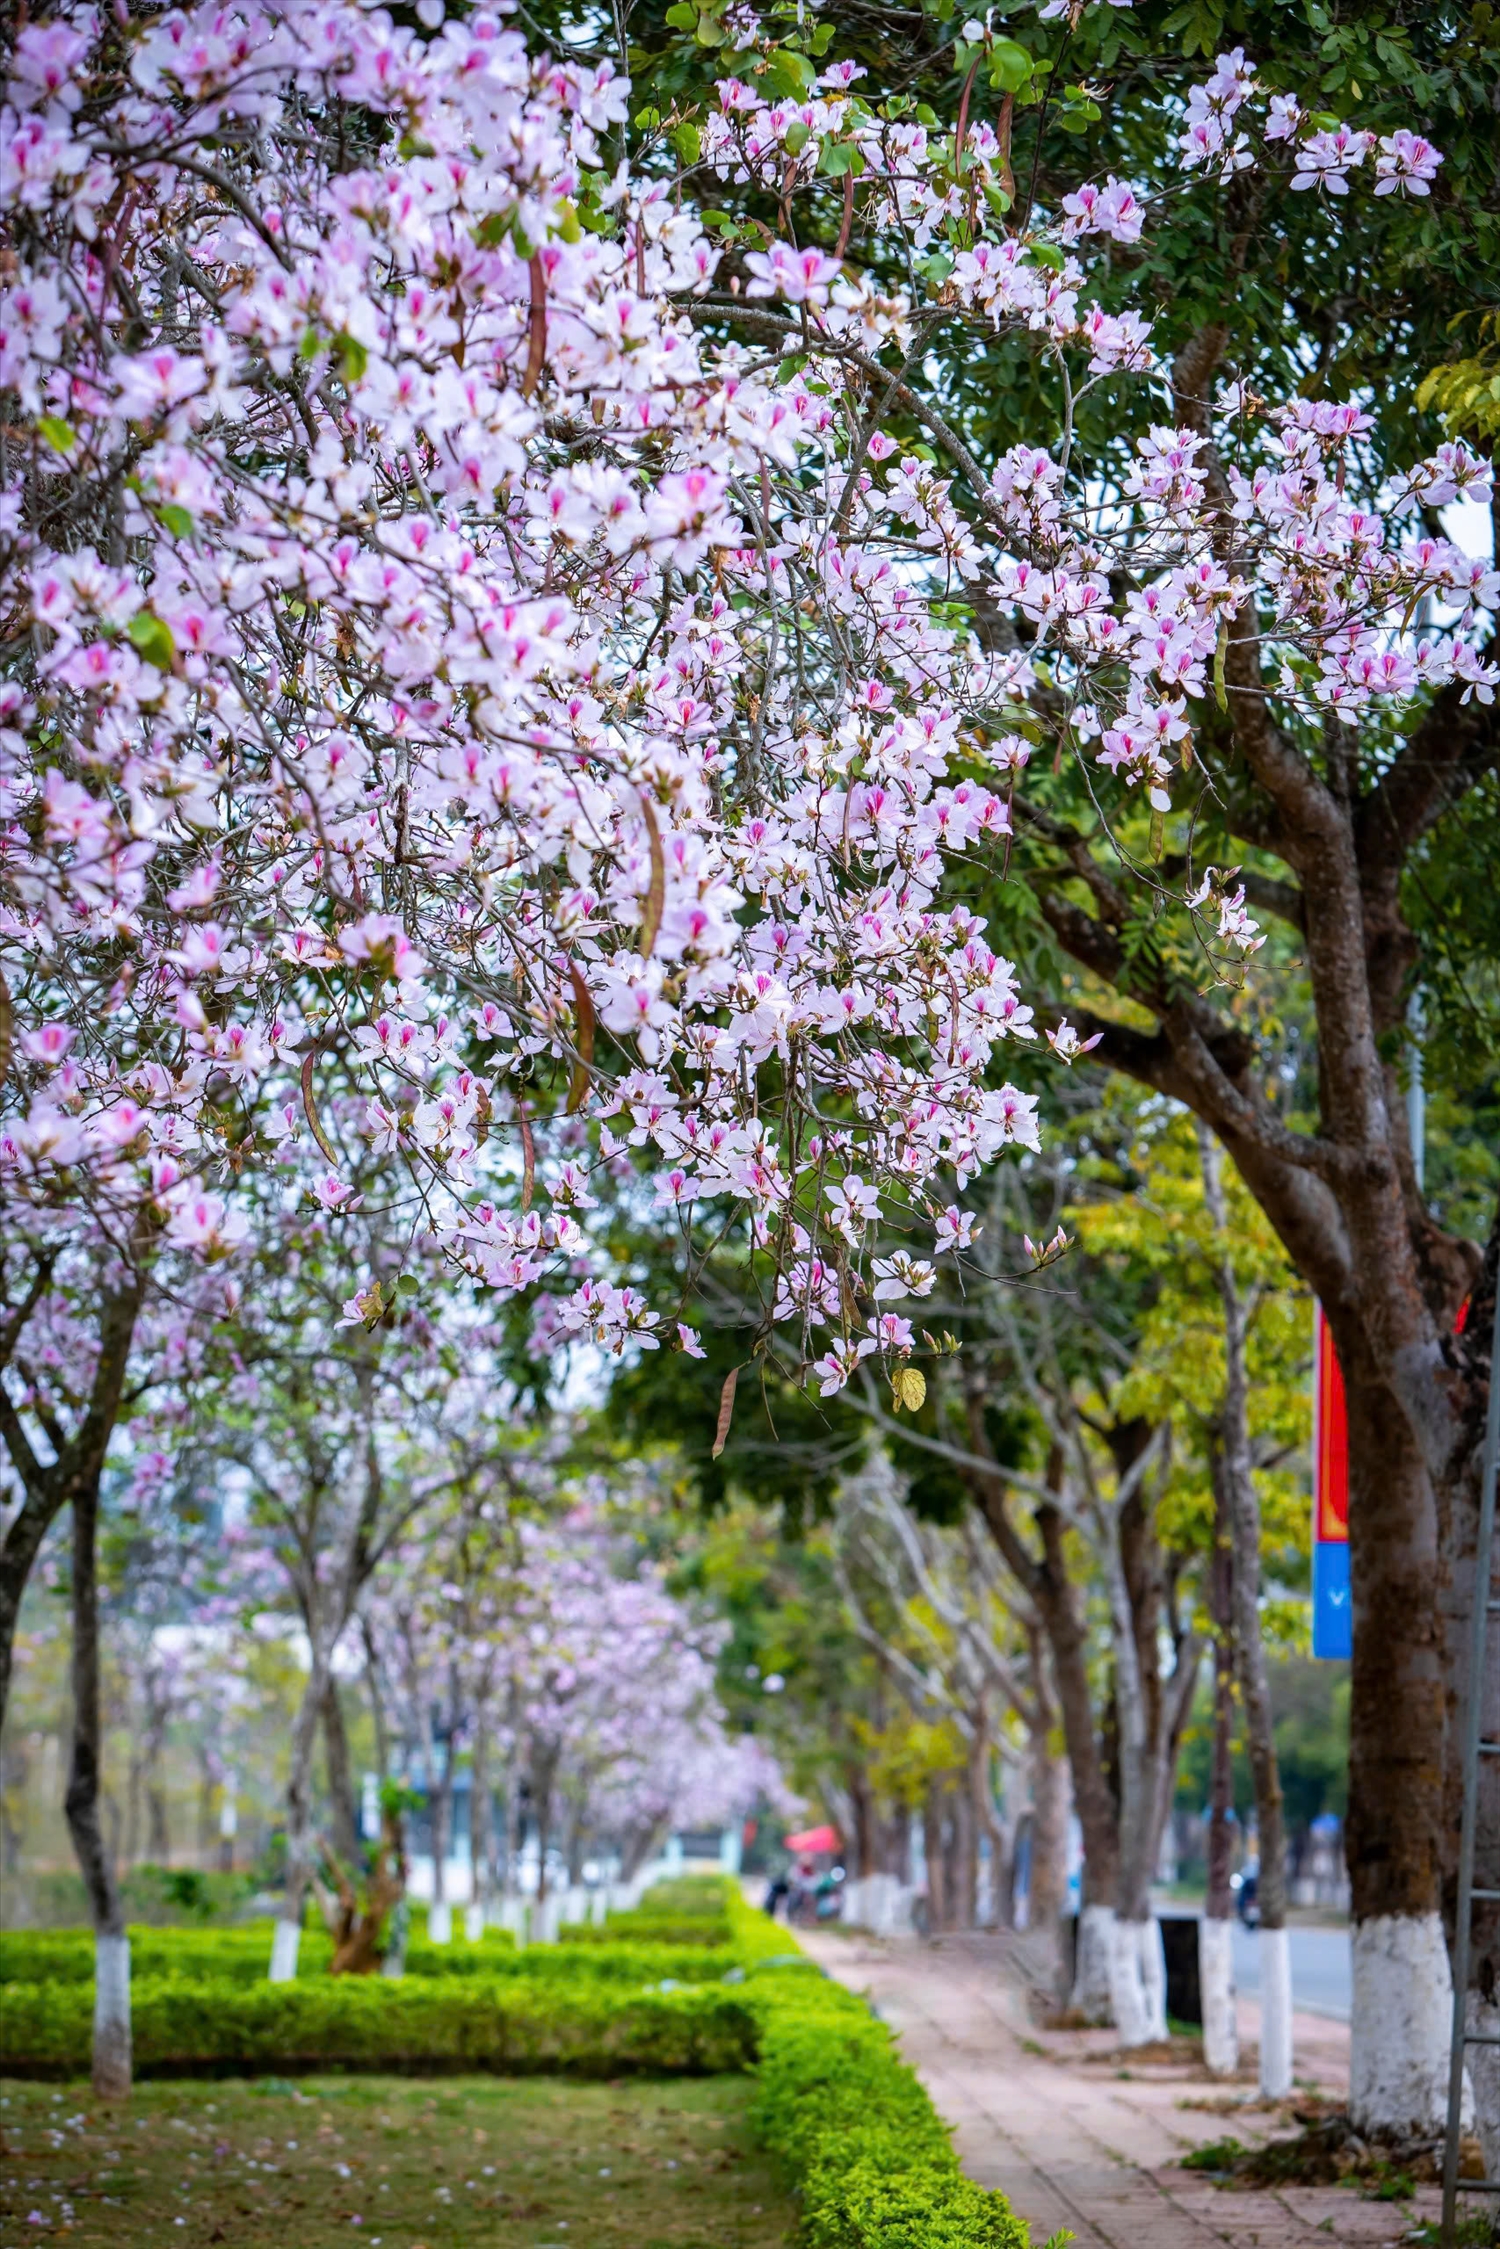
(1082, 2138)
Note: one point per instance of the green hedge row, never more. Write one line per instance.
(850, 2125)
(512, 2025)
(242, 1956)
(856, 2135)
(650, 1928)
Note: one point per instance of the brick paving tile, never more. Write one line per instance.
(1080, 2138)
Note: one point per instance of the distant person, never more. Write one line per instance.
(776, 1892)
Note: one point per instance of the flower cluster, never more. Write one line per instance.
(453, 663)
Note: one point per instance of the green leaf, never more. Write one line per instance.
(688, 141)
(785, 75)
(175, 519)
(61, 436)
(408, 1285)
(1047, 254)
(150, 638)
(835, 158)
(797, 137)
(709, 33)
(681, 18)
(1010, 66)
(353, 356)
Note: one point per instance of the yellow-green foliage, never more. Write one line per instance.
(1466, 392)
(1177, 1371)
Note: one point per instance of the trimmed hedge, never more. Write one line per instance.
(243, 1956)
(638, 1928)
(515, 2026)
(856, 2136)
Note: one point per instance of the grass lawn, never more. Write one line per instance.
(409, 2163)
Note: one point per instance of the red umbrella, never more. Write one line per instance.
(815, 1839)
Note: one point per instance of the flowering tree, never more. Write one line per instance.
(472, 630)
(331, 1439)
(540, 1630)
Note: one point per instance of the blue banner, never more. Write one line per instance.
(1333, 1612)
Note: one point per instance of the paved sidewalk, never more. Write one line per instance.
(1079, 2137)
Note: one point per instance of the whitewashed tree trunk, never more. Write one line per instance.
(1274, 1958)
(1092, 1995)
(1129, 2000)
(1221, 2038)
(1153, 1974)
(440, 1922)
(112, 2056)
(1401, 2016)
(474, 1922)
(299, 1841)
(286, 1942)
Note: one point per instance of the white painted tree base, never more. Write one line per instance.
(1091, 1973)
(1221, 2036)
(112, 2056)
(1127, 1988)
(473, 1923)
(1400, 2026)
(286, 1942)
(439, 1923)
(1153, 1975)
(1273, 1956)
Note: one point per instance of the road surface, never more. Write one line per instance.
(1320, 1969)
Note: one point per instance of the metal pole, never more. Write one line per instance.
(1416, 1088)
(1473, 1732)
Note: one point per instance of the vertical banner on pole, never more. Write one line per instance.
(1333, 1622)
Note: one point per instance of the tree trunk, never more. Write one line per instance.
(377, 1702)
(287, 1938)
(1237, 1510)
(1402, 1987)
(933, 1842)
(345, 1835)
(1050, 1806)
(1221, 2044)
(440, 1913)
(205, 1850)
(1057, 1606)
(159, 1840)
(111, 2044)
(863, 1825)
(134, 1786)
(481, 1820)
(542, 1773)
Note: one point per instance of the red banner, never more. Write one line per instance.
(1330, 1439)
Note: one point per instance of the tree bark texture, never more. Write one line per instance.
(343, 1833)
(1237, 1505)
(78, 1462)
(111, 2066)
(287, 1936)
